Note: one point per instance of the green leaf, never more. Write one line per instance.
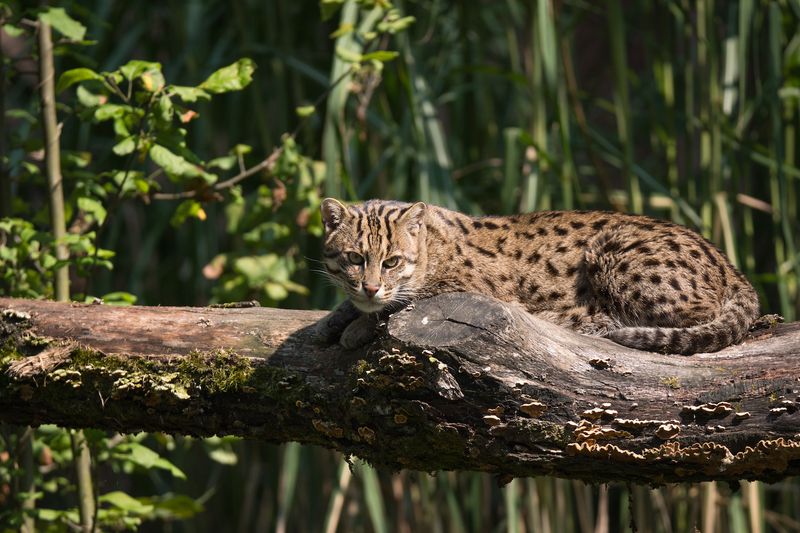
(344, 29)
(177, 506)
(119, 298)
(267, 232)
(395, 23)
(241, 149)
(153, 80)
(177, 165)
(21, 114)
(48, 515)
(223, 456)
(12, 31)
(92, 207)
(189, 94)
(348, 55)
(109, 111)
(90, 99)
(125, 146)
(789, 92)
(148, 71)
(135, 68)
(225, 162)
(121, 129)
(142, 185)
(123, 501)
(304, 110)
(165, 109)
(137, 453)
(295, 287)
(63, 23)
(166, 465)
(144, 457)
(380, 55)
(257, 269)
(187, 209)
(234, 77)
(275, 291)
(75, 159)
(234, 211)
(76, 75)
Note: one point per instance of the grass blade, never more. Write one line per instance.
(373, 497)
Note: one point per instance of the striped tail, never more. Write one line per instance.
(736, 316)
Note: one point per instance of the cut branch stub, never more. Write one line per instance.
(458, 381)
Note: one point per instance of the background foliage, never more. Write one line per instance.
(680, 109)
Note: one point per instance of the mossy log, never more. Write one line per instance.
(457, 382)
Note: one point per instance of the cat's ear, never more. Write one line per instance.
(414, 217)
(333, 212)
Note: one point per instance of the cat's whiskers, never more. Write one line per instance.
(330, 278)
(403, 295)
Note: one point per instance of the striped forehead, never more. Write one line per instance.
(375, 226)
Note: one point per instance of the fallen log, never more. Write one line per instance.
(456, 382)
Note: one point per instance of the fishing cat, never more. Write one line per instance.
(644, 283)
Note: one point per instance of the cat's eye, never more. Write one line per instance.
(355, 258)
(391, 262)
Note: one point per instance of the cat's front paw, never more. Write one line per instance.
(330, 327)
(360, 332)
(326, 332)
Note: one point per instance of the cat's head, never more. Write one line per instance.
(375, 251)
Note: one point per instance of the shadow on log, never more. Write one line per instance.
(456, 382)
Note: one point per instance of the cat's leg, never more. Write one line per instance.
(330, 328)
(347, 325)
(364, 329)
(360, 331)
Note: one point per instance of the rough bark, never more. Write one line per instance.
(459, 382)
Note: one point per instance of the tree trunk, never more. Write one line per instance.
(456, 382)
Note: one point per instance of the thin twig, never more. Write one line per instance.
(267, 163)
(109, 82)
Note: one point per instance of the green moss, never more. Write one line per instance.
(360, 367)
(538, 431)
(671, 382)
(8, 355)
(18, 341)
(213, 372)
(80, 358)
(222, 371)
(33, 341)
(117, 376)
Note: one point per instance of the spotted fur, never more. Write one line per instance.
(644, 283)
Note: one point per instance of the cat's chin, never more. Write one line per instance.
(370, 306)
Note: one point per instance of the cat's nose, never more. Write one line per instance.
(370, 289)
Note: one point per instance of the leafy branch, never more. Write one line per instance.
(267, 164)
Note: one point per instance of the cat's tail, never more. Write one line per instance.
(735, 317)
